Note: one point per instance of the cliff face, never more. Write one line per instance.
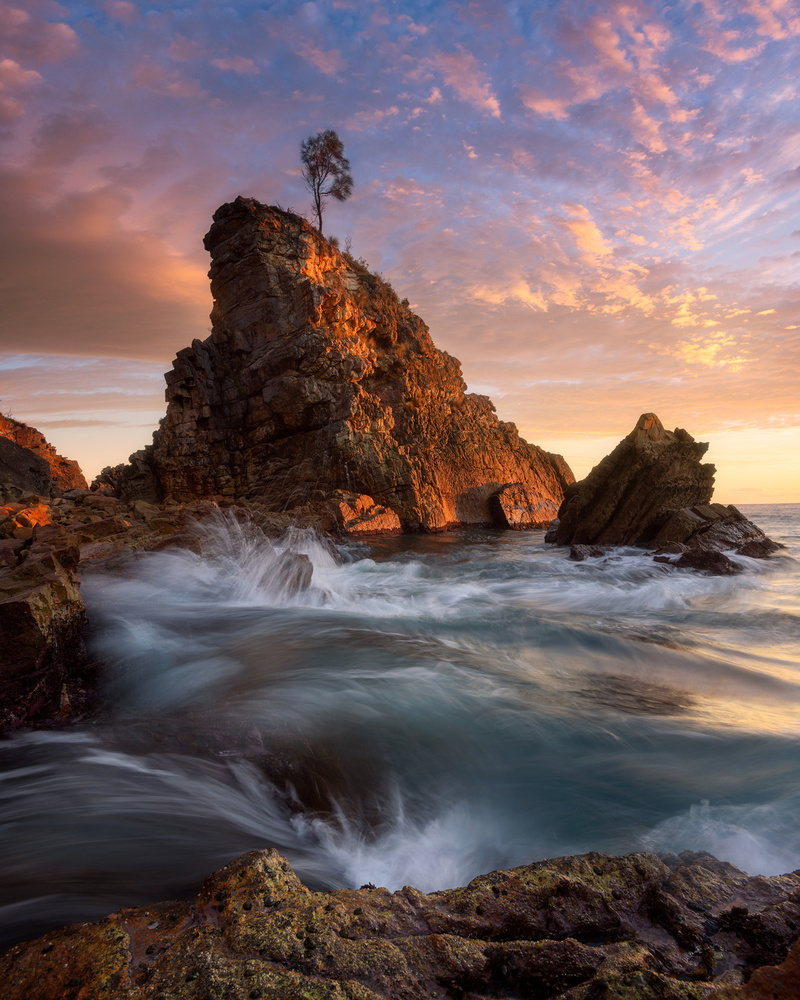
(317, 379)
(65, 473)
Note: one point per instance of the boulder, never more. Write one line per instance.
(710, 561)
(679, 928)
(292, 573)
(316, 379)
(360, 515)
(578, 553)
(520, 506)
(627, 497)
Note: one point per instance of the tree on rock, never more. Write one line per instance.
(326, 170)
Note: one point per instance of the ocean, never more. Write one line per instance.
(430, 709)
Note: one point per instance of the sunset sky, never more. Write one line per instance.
(593, 206)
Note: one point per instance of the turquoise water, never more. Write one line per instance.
(434, 706)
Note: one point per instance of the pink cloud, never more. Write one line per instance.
(462, 72)
(587, 236)
(183, 49)
(647, 130)
(327, 61)
(237, 64)
(776, 19)
(65, 135)
(14, 80)
(123, 11)
(151, 75)
(26, 37)
(607, 42)
(552, 107)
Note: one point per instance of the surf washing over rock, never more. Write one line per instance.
(316, 379)
(429, 709)
(405, 709)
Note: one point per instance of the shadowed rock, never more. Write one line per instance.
(651, 473)
(22, 472)
(44, 672)
(292, 573)
(653, 490)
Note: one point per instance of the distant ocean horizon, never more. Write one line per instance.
(432, 708)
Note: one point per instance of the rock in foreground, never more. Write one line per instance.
(578, 927)
(316, 380)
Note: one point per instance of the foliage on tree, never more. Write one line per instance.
(326, 170)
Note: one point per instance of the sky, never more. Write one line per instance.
(595, 207)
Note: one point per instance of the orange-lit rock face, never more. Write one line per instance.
(30, 516)
(65, 473)
(316, 379)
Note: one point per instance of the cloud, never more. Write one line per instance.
(553, 107)
(123, 11)
(29, 38)
(327, 61)
(647, 130)
(716, 351)
(66, 134)
(776, 19)
(371, 118)
(72, 274)
(461, 72)
(151, 75)
(14, 81)
(587, 236)
(237, 64)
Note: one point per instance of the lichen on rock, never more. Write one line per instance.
(577, 928)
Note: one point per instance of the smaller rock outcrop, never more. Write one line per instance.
(653, 490)
(64, 472)
(625, 499)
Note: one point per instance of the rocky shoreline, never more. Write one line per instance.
(641, 927)
(319, 401)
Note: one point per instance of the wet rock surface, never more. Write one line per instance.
(315, 380)
(47, 543)
(579, 927)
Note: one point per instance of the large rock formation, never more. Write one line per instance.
(316, 379)
(652, 489)
(64, 472)
(579, 928)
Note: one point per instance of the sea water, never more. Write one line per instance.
(429, 709)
